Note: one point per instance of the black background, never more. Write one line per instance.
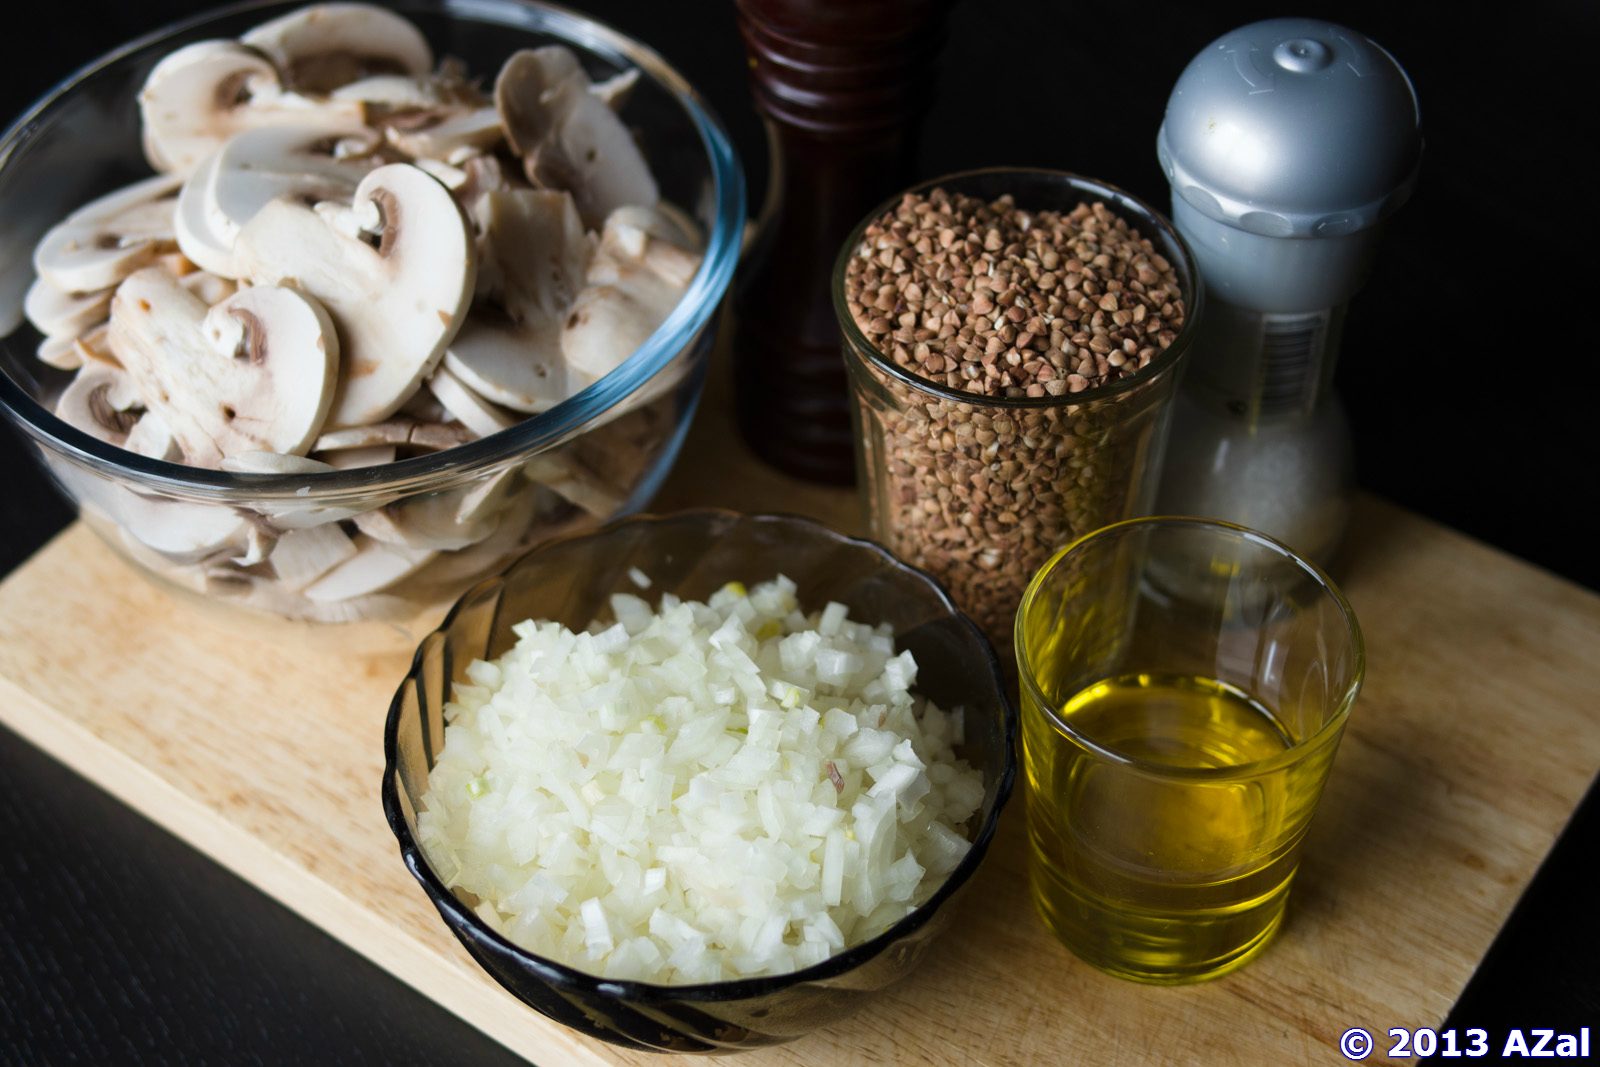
(1468, 370)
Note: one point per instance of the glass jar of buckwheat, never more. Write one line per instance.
(1014, 338)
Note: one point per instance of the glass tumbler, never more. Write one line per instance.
(980, 490)
(1184, 684)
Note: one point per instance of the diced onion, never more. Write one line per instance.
(698, 791)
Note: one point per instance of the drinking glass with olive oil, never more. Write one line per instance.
(1185, 683)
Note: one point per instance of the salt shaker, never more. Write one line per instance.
(1287, 143)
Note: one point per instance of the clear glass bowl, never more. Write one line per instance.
(981, 490)
(597, 455)
(693, 554)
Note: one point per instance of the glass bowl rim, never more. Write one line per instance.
(1323, 734)
(694, 310)
(861, 349)
(464, 922)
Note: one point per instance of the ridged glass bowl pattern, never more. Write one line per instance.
(693, 554)
(620, 434)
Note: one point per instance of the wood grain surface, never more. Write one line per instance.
(259, 742)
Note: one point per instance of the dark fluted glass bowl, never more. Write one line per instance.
(693, 554)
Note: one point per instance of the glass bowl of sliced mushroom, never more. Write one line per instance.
(327, 311)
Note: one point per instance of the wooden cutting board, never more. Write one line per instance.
(259, 742)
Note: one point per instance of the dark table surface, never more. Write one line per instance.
(119, 943)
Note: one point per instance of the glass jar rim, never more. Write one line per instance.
(1327, 731)
(688, 317)
(1135, 211)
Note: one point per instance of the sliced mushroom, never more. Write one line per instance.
(254, 168)
(108, 239)
(70, 353)
(665, 222)
(632, 240)
(567, 137)
(259, 541)
(452, 178)
(511, 533)
(424, 407)
(152, 437)
(397, 433)
(349, 459)
(303, 556)
(100, 401)
(510, 364)
(534, 252)
(55, 312)
(422, 523)
(94, 346)
(606, 325)
(394, 92)
(397, 305)
(260, 462)
(375, 566)
(532, 91)
(204, 93)
(438, 133)
(615, 90)
(323, 46)
(188, 533)
(210, 288)
(60, 352)
(256, 372)
(472, 410)
(448, 520)
(635, 280)
(484, 175)
(559, 474)
(202, 237)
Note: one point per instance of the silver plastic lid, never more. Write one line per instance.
(1292, 128)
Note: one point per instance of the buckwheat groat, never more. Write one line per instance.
(1022, 311)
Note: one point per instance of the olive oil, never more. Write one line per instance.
(1165, 815)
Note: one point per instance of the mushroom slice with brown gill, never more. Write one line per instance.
(255, 372)
(101, 401)
(254, 168)
(534, 251)
(324, 46)
(397, 301)
(567, 137)
(204, 93)
(108, 239)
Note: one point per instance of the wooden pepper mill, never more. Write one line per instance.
(841, 85)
